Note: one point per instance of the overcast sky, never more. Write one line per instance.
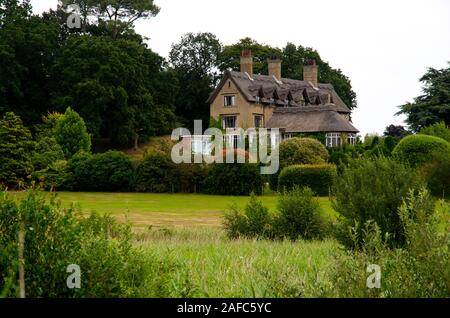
(383, 46)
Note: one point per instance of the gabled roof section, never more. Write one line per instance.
(264, 87)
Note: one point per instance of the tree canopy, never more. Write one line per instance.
(433, 105)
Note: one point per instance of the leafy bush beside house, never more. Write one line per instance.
(319, 178)
(418, 149)
(299, 151)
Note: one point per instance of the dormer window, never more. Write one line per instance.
(258, 99)
(286, 103)
(229, 100)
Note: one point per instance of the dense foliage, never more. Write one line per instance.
(109, 171)
(418, 149)
(15, 148)
(155, 173)
(319, 178)
(233, 179)
(71, 133)
(56, 237)
(372, 190)
(434, 105)
(298, 216)
(438, 130)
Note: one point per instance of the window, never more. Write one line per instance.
(333, 139)
(229, 122)
(287, 136)
(232, 141)
(258, 99)
(228, 100)
(258, 121)
(286, 103)
(351, 139)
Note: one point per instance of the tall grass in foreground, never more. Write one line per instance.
(213, 266)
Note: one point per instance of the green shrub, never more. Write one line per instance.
(233, 179)
(57, 176)
(437, 174)
(420, 269)
(16, 146)
(109, 171)
(302, 151)
(299, 151)
(254, 222)
(319, 177)
(373, 189)
(438, 130)
(155, 173)
(47, 151)
(71, 133)
(56, 237)
(190, 177)
(299, 215)
(419, 149)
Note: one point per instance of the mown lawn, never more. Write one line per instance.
(167, 210)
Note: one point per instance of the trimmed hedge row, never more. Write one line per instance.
(319, 177)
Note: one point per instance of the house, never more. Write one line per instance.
(246, 100)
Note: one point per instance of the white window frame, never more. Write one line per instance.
(351, 139)
(230, 102)
(333, 139)
(287, 136)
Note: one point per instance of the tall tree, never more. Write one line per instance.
(195, 60)
(111, 83)
(434, 105)
(16, 146)
(71, 133)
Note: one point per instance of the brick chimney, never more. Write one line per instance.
(247, 62)
(310, 72)
(274, 66)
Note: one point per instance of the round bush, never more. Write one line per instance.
(299, 151)
(233, 179)
(318, 177)
(418, 149)
(437, 174)
(302, 151)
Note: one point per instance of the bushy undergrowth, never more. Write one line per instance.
(373, 189)
(55, 237)
(420, 269)
(298, 216)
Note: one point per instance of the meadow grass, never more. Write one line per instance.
(214, 266)
(167, 210)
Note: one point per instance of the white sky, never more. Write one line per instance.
(383, 46)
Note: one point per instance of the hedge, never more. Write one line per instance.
(419, 149)
(319, 177)
(233, 179)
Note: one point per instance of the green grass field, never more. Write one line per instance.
(166, 210)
